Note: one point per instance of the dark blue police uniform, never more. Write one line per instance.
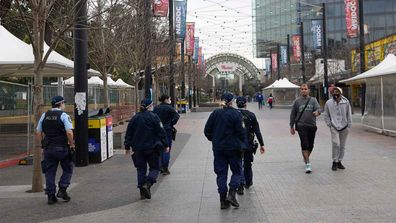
(169, 118)
(146, 137)
(226, 131)
(54, 124)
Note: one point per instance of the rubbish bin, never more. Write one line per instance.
(97, 140)
(182, 106)
(109, 133)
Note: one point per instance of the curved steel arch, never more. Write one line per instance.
(245, 68)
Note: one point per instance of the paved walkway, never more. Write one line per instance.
(282, 192)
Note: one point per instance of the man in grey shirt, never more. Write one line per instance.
(303, 115)
(338, 117)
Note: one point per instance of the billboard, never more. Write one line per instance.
(180, 11)
(160, 8)
(190, 38)
(296, 42)
(352, 18)
(283, 54)
(317, 32)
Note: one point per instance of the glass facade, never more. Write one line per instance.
(275, 19)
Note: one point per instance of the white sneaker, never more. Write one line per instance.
(308, 168)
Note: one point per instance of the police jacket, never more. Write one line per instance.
(145, 132)
(226, 130)
(168, 116)
(54, 129)
(252, 127)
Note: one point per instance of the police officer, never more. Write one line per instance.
(145, 136)
(226, 130)
(55, 131)
(169, 118)
(252, 130)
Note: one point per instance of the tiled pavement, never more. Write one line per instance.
(282, 192)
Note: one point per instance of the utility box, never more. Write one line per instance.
(109, 136)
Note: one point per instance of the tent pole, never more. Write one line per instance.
(382, 104)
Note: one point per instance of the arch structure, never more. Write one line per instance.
(231, 63)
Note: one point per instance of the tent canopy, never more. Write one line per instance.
(387, 66)
(121, 83)
(281, 84)
(17, 59)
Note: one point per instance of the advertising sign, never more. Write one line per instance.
(274, 63)
(317, 32)
(283, 53)
(196, 48)
(180, 18)
(160, 8)
(296, 42)
(352, 18)
(190, 38)
(199, 56)
(226, 67)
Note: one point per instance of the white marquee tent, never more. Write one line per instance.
(283, 91)
(380, 110)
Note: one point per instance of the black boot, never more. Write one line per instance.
(142, 194)
(165, 171)
(63, 194)
(240, 190)
(146, 190)
(52, 199)
(340, 166)
(224, 204)
(231, 198)
(334, 166)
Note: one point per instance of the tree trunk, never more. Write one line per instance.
(106, 91)
(137, 104)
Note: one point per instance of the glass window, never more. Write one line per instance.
(376, 6)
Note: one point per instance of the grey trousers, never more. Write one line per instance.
(338, 140)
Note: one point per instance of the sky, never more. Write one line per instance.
(223, 26)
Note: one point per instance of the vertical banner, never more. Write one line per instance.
(190, 26)
(180, 18)
(274, 58)
(196, 49)
(283, 54)
(160, 8)
(317, 33)
(296, 42)
(199, 56)
(352, 18)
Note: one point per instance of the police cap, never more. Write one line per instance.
(57, 100)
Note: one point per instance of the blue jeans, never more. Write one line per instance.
(223, 159)
(52, 157)
(165, 156)
(140, 160)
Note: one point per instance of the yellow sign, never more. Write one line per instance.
(96, 123)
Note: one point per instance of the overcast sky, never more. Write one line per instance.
(223, 26)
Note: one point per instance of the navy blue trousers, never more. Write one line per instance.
(52, 157)
(223, 160)
(165, 156)
(143, 158)
(247, 172)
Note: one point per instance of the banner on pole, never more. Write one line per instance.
(317, 33)
(199, 56)
(352, 18)
(196, 48)
(283, 54)
(160, 8)
(296, 42)
(180, 18)
(190, 38)
(274, 58)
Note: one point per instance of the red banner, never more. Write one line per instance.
(190, 26)
(160, 8)
(296, 42)
(274, 64)
(200, 56)
(352, 18)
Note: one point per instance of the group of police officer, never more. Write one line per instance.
(148, 139)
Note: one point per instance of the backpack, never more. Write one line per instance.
(249, 125)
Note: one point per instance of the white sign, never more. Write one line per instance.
(81, 102)
(226, 67)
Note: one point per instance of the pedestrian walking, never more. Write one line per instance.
(169, 118)
(252, 130)
(270, 101)
(338, 117)
(259, 99)
(303, 115)
(55, 130)
(146, 137)
(225, 129)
